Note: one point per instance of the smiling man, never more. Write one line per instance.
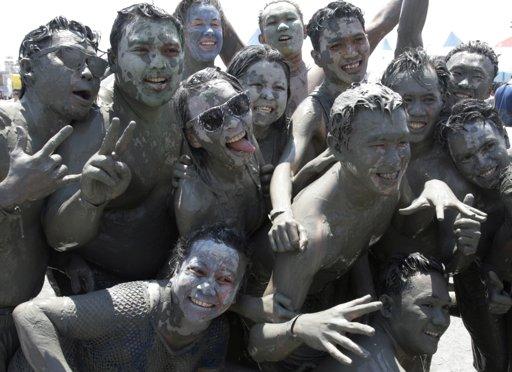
(118, 217)
(414, 315)
(61, 76)
(341, 47)
(473, 67)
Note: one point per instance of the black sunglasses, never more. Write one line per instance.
(213, 118)
(75, 59)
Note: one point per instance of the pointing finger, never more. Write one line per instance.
(55, 141)
(125, 139)
(109, 141)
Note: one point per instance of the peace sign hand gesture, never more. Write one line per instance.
(104, 177)
(33, 177)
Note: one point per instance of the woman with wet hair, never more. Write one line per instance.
(174, 324)
(222, 182)
(265, 76)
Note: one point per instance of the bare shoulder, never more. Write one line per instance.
(307, 116)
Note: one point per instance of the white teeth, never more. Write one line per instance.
(207, 43)
(417, 124)
(238, 137)
(156, 80)
(462, 95)
(264, 109)
(389, 176)
(351, 66)
(488, 172)
(201, 303)
(432, 334)
(284, 38)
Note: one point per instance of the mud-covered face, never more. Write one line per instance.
(479, 152)
(221, 123)
(420, 314)
(208, 280)
(378, 150)
(423, 102)
(149, 61)
(267, 88)
(282, 28)
(472, 75)
(344, 50)
(62, 78)
(203, 32)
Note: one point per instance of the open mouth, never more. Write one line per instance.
(353, 67)
(207, 44)
(157, 82)
(263, 109)
(240, 143)
(435, 335)
(392, 176)
(462, 95)
(488, 172)
(417, 125)
(284, 38)
(201, 303)
(83, 95)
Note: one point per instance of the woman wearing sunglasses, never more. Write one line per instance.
(225, 186)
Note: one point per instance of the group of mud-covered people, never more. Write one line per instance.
(274, 216)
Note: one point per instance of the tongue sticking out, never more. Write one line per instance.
(242, 145)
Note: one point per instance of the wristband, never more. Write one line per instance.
(293, 325)
(274, 213)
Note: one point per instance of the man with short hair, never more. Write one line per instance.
(347, 209)
(414, 315)
(478, 143)
(341, 47)
(61, 75)
(118, 218)
(473, 67)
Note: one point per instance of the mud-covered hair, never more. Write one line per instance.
(217, 233)
(184, 5)
(336, 9)
(128, 14)
(399, 270)
(478, 47)
(252, 54)
(260, 15)
(468, 110)
(365, 96)
(38, 39)
(414, 62)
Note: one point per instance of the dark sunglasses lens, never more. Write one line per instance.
(97, 66)
(71, 57)
(240, 105)
(212, 119)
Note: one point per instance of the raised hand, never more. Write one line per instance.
(467, 230)
(438, 195)
(33, 177)
(286, 234)
(326, 329)
(499, 301)
(104, 177)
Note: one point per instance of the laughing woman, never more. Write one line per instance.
(265, 76)
(217, 123)
(168, 325)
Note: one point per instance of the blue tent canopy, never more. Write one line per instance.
(452, 40)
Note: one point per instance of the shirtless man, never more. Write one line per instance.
(282, 27)
(349, 207)
(414, 315)
(341, 48)
(477, 142)
(61, 77)
(118, 218)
